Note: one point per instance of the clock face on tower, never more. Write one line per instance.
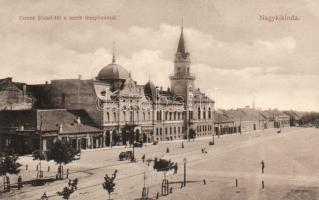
(178, 88)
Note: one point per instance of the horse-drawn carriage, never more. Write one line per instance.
(138, 144)
(125, 155)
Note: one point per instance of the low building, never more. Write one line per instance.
(223, 124)
(25, 131)
(279, 118)
(295, 117)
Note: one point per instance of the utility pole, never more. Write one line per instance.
(40, 147)
(184, 171)
(213, 135)
(145, 190)
(240, 125)
(133, 133)
(219, 128)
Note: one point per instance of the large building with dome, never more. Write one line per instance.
(113, 109)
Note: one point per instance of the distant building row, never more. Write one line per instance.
(246, 119)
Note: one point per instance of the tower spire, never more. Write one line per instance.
(181, 44)
(182, 24)
(113, 56)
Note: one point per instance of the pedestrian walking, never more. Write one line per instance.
(175, 168)
(262, 166)
(143, 158)
(19, 183)
(8, 183)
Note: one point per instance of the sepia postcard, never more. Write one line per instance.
(159, 99)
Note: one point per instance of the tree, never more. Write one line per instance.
(109, 184)
(68, 190)
(310, 119)
(61, 153)
(163, 165)
(9, 164)
(192, 134)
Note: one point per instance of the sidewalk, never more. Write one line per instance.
(178, 141)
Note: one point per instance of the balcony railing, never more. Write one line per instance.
(182, 76)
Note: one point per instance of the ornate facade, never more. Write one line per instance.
(153, 113)
(113, 108)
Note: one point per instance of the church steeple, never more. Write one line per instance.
(181, 52)
(182, 79)
(181, 43)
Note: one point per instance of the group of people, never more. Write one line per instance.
(8, 183)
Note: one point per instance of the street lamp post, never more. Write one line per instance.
(184, 171)
(213, 138)
(40, 148)
(240, 125)
(133, 156)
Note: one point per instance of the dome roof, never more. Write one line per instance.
(150, 90)
(113, 71)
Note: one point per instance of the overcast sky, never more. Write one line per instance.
(231, 48)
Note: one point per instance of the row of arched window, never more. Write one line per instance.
(128, 115)
(202, 113)
(173, 116)
(204, 128)
(134, 115)
(170, 130)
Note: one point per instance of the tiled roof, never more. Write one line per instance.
(236, 115)
(51, 120)
(276, 113)
(221, 118)
(253, 115)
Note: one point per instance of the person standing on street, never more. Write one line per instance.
(175, 168)
(262, 166)
(143, 158)
(19, 183)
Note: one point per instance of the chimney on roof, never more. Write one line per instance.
(78, 120)
(60, 128)
(46, 82)
(161, 88)
(168, 89)
(80, 76)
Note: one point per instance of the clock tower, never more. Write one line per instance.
(182, 82)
